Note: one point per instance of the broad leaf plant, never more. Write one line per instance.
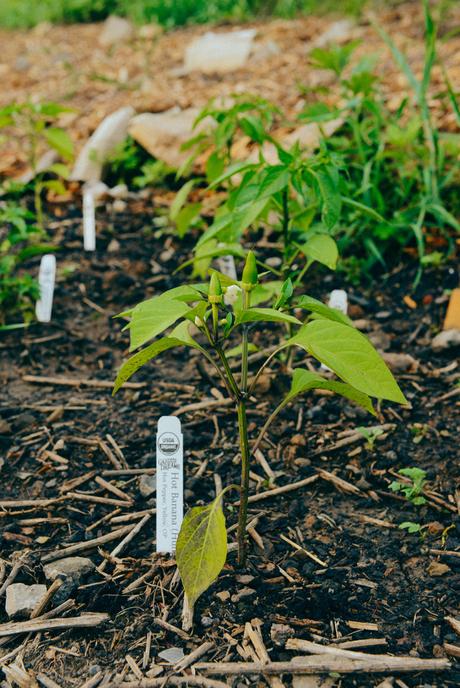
(208, 318)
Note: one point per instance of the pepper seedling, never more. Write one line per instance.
(221, 311)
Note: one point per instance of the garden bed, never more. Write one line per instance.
(327, 559)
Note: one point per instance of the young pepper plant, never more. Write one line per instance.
(221, 310)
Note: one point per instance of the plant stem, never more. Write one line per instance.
(245, 348)
(228, 372)
(285, 222)
(244, 487)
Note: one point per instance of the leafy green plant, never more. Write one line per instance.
(36, 123)
(370, 435)
(132, 165)
(19, 240)
(412, 490)
(223, 312)
(399, 170)
(412, 527)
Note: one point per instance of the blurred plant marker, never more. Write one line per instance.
(91, 192)
(46, 281)
(170, 479)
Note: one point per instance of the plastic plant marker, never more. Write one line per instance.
(46, 280)
(170, 479)
(89, 220)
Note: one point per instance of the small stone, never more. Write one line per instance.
(445, 340)
(22, 599)
(119, 191)
(244, 592)
(279, 633)
(274, 262)
(70, 570)
(380, 339)
(223, 596)
(172, 654)
(94, 669)
(219, 52)
(245, 578)
(437, 568)
(119, 206)
(147, 485)
(150, 31)
(114, 246)
(401, 363)
(70, 567)
(5, 427)
(115, 30)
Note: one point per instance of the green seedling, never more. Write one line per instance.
(412, 527)
(223, 312)
(379, 149)
(370, 435)
(19, 240)
(413, 489)
(36, 123)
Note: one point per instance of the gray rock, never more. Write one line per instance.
(147, 485)
(70, 570)
(115, 30)
(22, 599)
(172, 654)
(445, 340)
(279, 633)
(400, 363)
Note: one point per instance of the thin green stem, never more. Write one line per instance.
(245, 347)
(267, 424)
(228, 372)
(244, 488)
(285, 224)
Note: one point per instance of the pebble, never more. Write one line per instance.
(147, 485)
(244, 592)
(445, 340)
(70, 570)
(115, 30)
(224, 595)
(172, 654)
(22, 599)
(400, 363)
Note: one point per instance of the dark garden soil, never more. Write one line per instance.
(327, 560)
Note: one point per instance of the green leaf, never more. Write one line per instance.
(351, 356)
(201, 548)
(236, 168)
(265, 314)
(60, 141)
(328, 185)
(149, 318)
(304, 380)
(315, 306)
(274, 179)
(219, 224)
(363, 208)
(323, 249)
(220, 250)
(180, 199)
(179, 337)
(186, 217)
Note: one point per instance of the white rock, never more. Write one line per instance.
(172, 654)
(115, 30)
(445, 340)
(147, 485)
(119, 206)
(22, 599)
(264, 51)
(70, 567)
(338, 32)
(219, 52)
(108, 135)
(162, 134)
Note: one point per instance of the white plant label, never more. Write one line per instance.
(89, 220)
(46, 280)
(170, 483)
(227, 266)
(338, 299)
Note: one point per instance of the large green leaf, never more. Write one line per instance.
(274, 179)
(351, 356)
(236, 168)
(315, 306)
(60, 141)
(266, 315)
(304, 380)
(179, 337)
(151, 317)
(201, 548)
(322, 248)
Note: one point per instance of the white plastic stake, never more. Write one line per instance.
(46, 280)
(227, 266)
(89, 220)
(338, 299)
(170, 483)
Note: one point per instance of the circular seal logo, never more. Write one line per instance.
(168, 443)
